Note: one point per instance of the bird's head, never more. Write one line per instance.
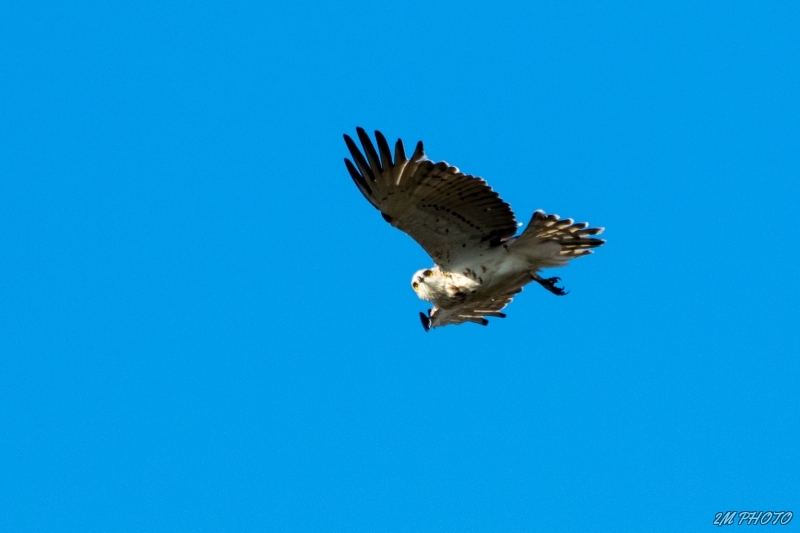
(425, 282)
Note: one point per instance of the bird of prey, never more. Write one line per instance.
(466, 228)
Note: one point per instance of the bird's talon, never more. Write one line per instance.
(426, 322)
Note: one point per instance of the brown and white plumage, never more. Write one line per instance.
(476, 311)
(466, 228)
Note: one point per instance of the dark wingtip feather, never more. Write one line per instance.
(359, 180)
(351, 145)
(399, 151)
(369, 150)
(419, 152)
(383, 148)
(484, 322)
(348, 141)
(358, 157)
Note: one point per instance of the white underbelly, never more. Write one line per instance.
(497, 266)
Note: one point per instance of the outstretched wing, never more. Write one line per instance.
(473, 311)
(449, 213)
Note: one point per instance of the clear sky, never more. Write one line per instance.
(205, 327)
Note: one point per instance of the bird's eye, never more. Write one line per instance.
(427, 273)
(415, 285)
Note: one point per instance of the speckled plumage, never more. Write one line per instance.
(466, 228)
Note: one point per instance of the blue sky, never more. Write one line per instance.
(205, 327)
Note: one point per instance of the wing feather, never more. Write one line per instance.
(449, 213)
(360, 181)
(473, 311)
(369, 150)
(383, 148)
(363, 167)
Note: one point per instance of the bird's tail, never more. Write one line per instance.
(552, 242)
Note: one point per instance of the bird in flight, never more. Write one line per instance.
(466, 228)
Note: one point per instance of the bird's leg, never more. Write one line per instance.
(549, 284)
